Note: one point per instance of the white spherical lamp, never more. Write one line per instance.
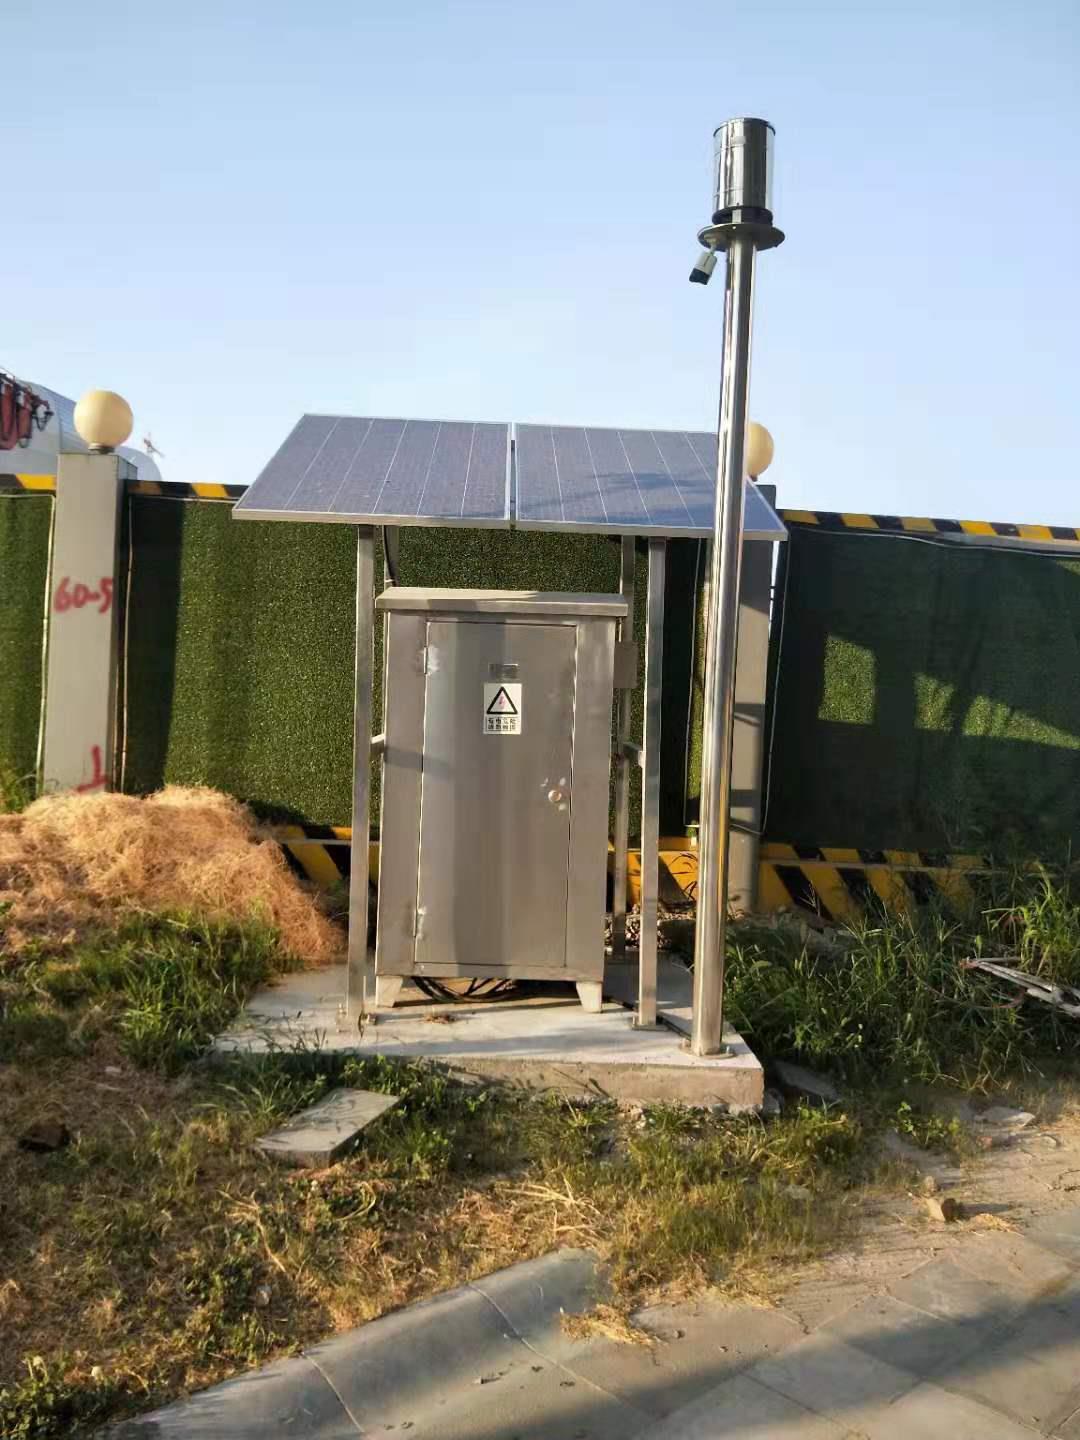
(103, 419)
(759, 449)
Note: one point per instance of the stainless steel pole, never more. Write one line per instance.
(742, 224)
(721, 644)
(650, 786)
(627, 567)
(360, 983)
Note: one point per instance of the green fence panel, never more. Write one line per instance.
(240, 658)
(240, 646)
(924, 695)
(25, 522)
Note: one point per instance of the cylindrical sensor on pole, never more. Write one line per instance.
(744, 162)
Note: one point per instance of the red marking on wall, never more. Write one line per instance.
(74, 597)
(99, 778)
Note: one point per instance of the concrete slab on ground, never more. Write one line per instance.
(547, 1041)
(325, 1130)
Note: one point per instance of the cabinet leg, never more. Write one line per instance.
(590, 993)
(387, 989)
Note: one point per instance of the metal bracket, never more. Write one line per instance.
(626, 665)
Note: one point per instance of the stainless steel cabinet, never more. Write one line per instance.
(495, 786)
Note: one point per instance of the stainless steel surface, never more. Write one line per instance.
(650, 785)
(360, 979)
(747, 750)
(627, 564)
(718, 237)
(721, 645)
(510, 603)
(743, 168)
(586, 889)
(357, 470)
(628, 482)
(494, 846)
(626, 665)
(494, 839)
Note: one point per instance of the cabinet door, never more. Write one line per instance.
(495, 795)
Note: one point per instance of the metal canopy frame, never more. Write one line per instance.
(304, 474)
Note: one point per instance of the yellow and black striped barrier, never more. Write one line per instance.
(838, 883)
(174, 490)
(162, 489)
(926, 526)
(27, 484)
(833, 882)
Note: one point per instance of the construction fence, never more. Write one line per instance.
(923, 707)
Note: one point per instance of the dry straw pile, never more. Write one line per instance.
(72, 864)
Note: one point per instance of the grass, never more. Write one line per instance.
(163, 985)
(159, 1252)
(891, 1001)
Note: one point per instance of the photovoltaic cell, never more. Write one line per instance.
(397, 472)
(634, 482)
(429, 472)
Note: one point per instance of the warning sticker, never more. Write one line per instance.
(502, 708)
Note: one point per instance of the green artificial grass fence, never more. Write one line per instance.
(25, 521)
(240, 650)
(924, 696)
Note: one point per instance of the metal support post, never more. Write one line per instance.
(650, 785)
(721, 643)
(627, 564)
(360, 992)
(748, 741)
(742, 223)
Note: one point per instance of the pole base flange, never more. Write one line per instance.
(719, 237)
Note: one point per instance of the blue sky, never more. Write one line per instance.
(233, 213)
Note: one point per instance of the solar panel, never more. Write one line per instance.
(630, 482)
(362, 471)
(385, 472)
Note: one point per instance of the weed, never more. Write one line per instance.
(16, 791)
(932, 1131)
(47, 1406)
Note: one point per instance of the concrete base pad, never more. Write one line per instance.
(544, 1039)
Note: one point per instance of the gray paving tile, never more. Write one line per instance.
(1015, 1262)
(290, 1398)
(900, 1335)
(743, 1409)
(1032, 1371)
(697, 1349)
(1069, 1429)
(526, 1404)
(384, 1371)
(946, 1289)
(930, 1413)
(1059, 1233)
(325, 1130)
(833, 1379)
